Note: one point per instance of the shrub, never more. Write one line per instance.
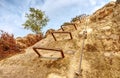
(7, 44)
(80, 17)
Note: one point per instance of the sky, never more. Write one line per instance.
(12, 12)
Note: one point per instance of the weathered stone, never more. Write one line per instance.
(49, 32)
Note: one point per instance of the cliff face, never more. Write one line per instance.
(100, 51)
(106, 26)
(103, 43)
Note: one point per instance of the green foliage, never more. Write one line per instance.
(36, 20)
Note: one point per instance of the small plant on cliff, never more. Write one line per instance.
(80, 17)
(36, 20)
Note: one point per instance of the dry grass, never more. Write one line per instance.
(8, 45)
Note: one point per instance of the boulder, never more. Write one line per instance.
(49, 32)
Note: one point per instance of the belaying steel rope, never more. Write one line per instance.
(83, 43)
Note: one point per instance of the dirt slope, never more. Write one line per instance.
(101, 56)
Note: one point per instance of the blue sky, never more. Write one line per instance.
(12, 12)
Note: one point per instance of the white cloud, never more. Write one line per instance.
(113, 0)
(52, 5)
(93, 2)
(7, 29)
(102, 3)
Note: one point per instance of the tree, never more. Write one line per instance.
(36, 20)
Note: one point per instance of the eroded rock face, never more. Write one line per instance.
(118, 1)
(103, 12)
(54, 75)
(28, 40)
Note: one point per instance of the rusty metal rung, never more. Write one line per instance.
(69, 24)
(59, 50)
(60, 33)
